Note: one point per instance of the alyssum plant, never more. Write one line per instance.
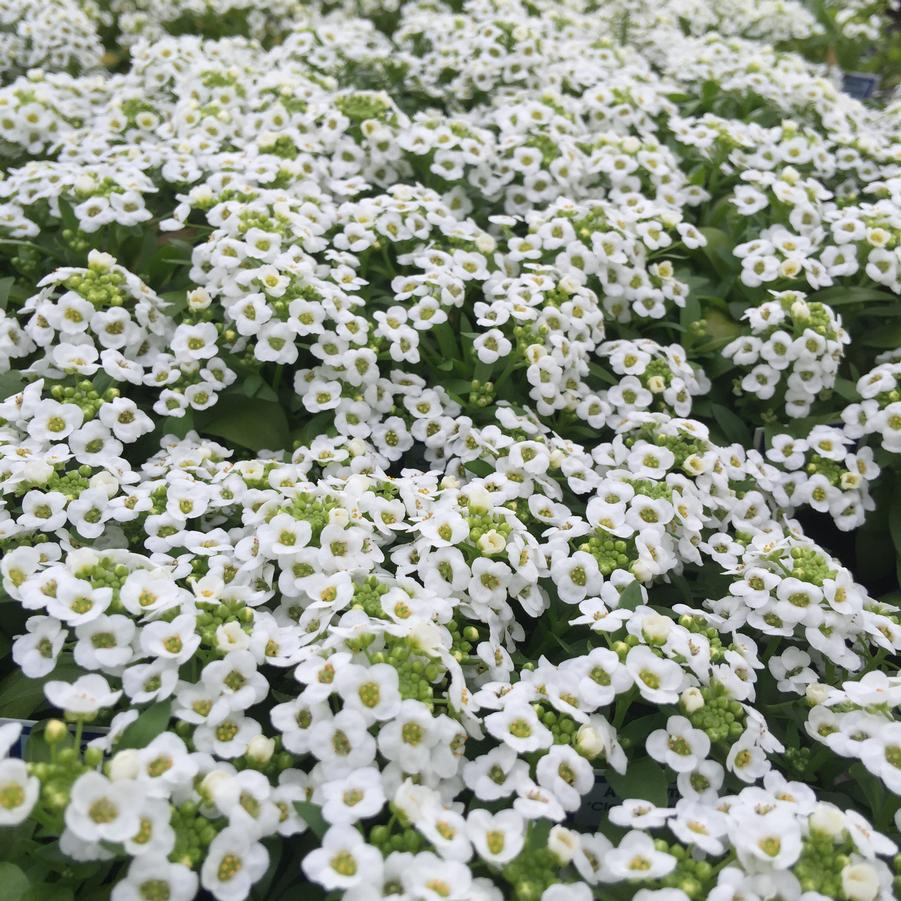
(448, 451)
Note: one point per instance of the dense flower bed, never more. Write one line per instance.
(448, 451)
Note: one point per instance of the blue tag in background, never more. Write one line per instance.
(860, 85)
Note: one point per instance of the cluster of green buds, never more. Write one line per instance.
(393, 836)
(101, 284)
(84, 395)
(611, 553)
(481, 394)
(212, 616)
(561, 725)
(416, 673)
(531, 872)
(692, 876)
(721, 717)
(194, 832)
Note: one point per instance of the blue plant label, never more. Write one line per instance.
(860, 85)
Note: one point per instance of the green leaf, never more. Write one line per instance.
(316, 425)
(631, 597)
(691, 312)
(255, 386)
(637, 730)
(11, 383)
(6, 285)
(480, 468)
(311, 814)
(14, 882)
(840, 296)
(67, 215)
(537, 835)
(147, 726)
(645, 779)
(601, 373)
(894, 523)
(846, 390)
(248, 422)
(888, 337)
(21, 696)
(177, 302)
(458, 386)
(732, 427)
(46, 891)
(718, 251)
(444, 334)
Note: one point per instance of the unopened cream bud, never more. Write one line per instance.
(567, 284)
(36, 472)
(534, 352)
(589, 741)
(817, 693)
(338, 517)
(656, 384)
(878, 237)
(260, 749)
(492, 542)
(789, 269)
(231, 637)
(643, 570)
(563, 843)
(860, 882)
(479, 499)
(828, 819)
(695, 464)
(211, 781)
(656, 628)
(125, 765)
(800, 310)
(55, 732)
(485, 243)
(691, 700)
(100, 261)
(105, 481)
(198, 299)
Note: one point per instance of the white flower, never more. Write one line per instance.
(234, 861)
(773, 839)
(497, 838)
(82, 698)
(409, 737)
(357, 796)
(518, 726)
(18, 792)
(152, 875)
(372, 690)
(681, 747)
(100, 810)
(343, 860)
(659, 680)
(636, 858)
(567, 774)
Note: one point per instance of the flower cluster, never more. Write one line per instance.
(423, 432)
(793, 341)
